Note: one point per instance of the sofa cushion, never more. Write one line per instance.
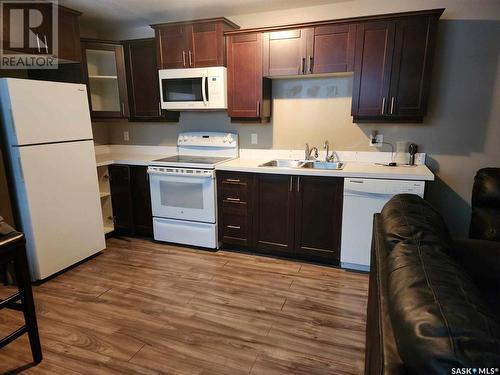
(440, 319)
(408, 218)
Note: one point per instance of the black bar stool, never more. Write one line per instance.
(12, 249)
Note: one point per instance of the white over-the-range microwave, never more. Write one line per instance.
(193, 88)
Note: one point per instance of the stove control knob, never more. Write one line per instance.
(224, 139)
(229, 138)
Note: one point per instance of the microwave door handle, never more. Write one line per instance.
(203, 92)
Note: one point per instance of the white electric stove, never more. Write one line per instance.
(183, 188)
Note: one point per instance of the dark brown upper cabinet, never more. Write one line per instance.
(316, 50)
(68, 47)
(104, 71)
(332, 49)
(372, 71)
(142, 82)
(192, 44)
(393, 61)
(249, 94)
(286, 52)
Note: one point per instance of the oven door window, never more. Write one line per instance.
(182, 89)
(181, 195)
(185, 198)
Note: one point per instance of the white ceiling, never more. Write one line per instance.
(134, 13)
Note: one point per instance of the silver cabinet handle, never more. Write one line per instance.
(190, 58)
(159, 109)
(184, 58)
(302, 65)
(233, 199)
(234, 226)
(298, 184)
(258, 108)
(311, 60)
(232, 180)
(392, 105)
(123, 109)
(291, 185)
(383, 105)
(46, 44)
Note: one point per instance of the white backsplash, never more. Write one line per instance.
(246, 153)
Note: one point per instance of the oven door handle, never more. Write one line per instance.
(179, 174)
(203, 92)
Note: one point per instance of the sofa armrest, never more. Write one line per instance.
(480, 259)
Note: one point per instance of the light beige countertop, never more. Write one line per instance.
(131, 155)
(126, 158)
(351, 169)
(361, 168)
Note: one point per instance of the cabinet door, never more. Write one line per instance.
(121, 198)
(142, 82)
(244, 75)
(174, 44)
(287, 52)
(104, 69)
(413, 52)
(274, 225)
(207, 45)
(372, 68)
(332, 49)
(318, 217)
(141, 201)
(69, 35)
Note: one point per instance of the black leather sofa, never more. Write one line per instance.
(433, 303)
(485, 219)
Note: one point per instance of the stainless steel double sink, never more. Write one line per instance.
(306, 164)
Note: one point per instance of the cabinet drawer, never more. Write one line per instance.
(234, 194)
(235, 229)
(234, 207)
(235, 181)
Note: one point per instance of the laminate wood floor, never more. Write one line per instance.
(147, 308)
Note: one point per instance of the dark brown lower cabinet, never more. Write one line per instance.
(274, 224)
(235, 207)
(318, 216)
(294, 216)
(131, 200)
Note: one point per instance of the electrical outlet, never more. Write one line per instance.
(255, 139)
(126, 137)
(379, 139)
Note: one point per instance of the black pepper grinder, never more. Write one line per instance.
(412, 149)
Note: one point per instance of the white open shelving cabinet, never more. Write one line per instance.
(106, 205)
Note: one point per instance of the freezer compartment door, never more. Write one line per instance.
(41, 112)
(58, 197)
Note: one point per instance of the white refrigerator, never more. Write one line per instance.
(48, 135)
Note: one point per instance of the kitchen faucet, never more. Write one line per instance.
(329, 158)
(308, 152)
